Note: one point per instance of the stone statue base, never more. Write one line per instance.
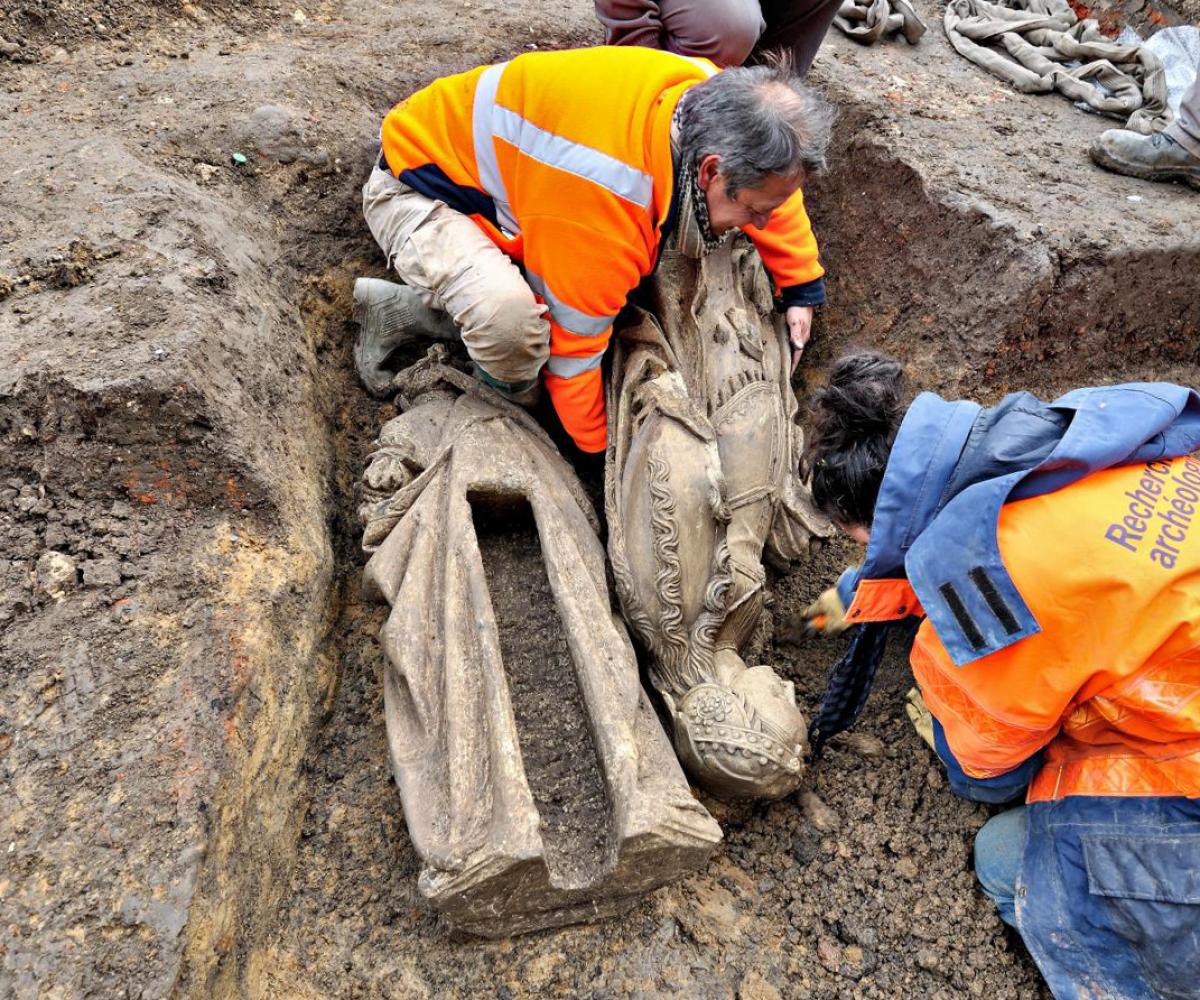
(512, 888)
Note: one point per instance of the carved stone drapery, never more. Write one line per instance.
(452, 724)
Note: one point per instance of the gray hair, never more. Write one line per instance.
(760, 120)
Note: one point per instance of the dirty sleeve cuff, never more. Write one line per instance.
(1001, 788)
(811, 293)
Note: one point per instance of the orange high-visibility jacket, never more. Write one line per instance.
(564, 160)
(1110, 686)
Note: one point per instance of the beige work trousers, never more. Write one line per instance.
(453, 266)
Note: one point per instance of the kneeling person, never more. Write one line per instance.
(527, 199)
(1054, 554)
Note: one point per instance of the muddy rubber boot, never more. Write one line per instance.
(391, 315)
(1151, 157)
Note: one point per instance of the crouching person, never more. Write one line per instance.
(521, 203)
(1053, 552)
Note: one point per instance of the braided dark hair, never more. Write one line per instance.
(854, 419)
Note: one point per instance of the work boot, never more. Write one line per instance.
(390, 316)
(1155, 157)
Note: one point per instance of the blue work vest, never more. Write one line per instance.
(1108, 900)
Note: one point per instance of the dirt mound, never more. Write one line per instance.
(561, 763)
(31, 26)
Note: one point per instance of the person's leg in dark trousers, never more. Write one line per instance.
(721, 30)
(1185, 130)
(798, 26)
(631, 22)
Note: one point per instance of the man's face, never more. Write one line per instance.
(750, 206)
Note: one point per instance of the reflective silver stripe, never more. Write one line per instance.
(570, 367)
(482, 113)
(568, 317)
(574, 157)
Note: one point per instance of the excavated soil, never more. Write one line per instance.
(556, 747)
(859, 886)
(194, 791)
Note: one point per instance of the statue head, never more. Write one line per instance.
(741, 734)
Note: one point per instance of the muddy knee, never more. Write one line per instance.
(507, 335)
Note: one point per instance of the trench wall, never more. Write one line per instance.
(966, 231)
(160, 430)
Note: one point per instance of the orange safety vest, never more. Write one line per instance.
(572, 149)
(1110, 686)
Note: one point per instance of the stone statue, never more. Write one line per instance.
(519, 824)
(701, 480)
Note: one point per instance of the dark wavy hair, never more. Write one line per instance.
(853, 422)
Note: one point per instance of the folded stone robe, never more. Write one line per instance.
(452, 731)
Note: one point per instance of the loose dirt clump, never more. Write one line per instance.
(66, 267)
(36, 29)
